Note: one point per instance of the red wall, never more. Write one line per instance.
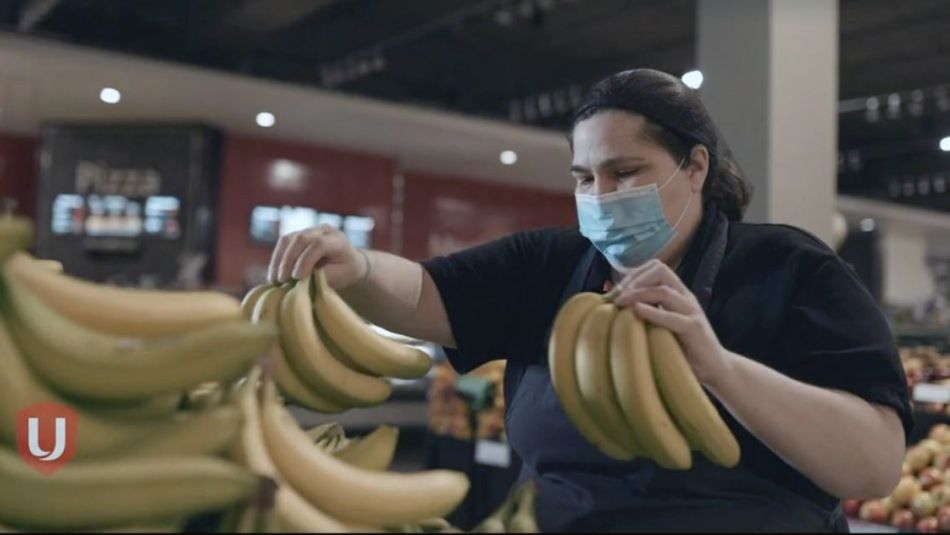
(333, 180)
(444, 214)
(18, 171)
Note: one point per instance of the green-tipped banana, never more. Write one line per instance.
(112, 493)
(86, 364)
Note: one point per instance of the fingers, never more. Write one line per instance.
(669, 298)
(313, 253)
(674, 321)
(290, 251)
(277, 256)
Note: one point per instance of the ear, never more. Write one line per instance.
(698, 167)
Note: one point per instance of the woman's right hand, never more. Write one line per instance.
(298, 253)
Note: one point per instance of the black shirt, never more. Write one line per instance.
(776, 295)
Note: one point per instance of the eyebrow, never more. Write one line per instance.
(610, 162)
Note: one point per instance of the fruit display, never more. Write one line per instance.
(449, 412)
(921, 500)
(924, 364)
(629, 390)
(328, 358)
(144, 453)
(327, 484)
(179, 415)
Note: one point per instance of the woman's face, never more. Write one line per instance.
(611, 154)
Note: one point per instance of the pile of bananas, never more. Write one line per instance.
(328, 359)
(629, 390)
(128, 362)
(326, 482)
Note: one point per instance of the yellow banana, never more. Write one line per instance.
(375, 451)
(312, 361)
(354, 337)
(53, 265)
(524, 520)
(296, 515)
(694, 413)
(349, 493)
(251, 298)
(97, 436)
(86, 364)
(250, 450)
(16, 233)
(640, 401)
(267, 310)
(122, 311)
(593, 376)
(293, 513)
(561, 361)
(160, 406)
(85, 495)
(208, 432)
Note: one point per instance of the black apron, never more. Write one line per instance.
(580, 489)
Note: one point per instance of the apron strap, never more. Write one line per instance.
(514, 371)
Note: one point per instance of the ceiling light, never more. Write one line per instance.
(110, 95)
(266, 119)
(867, 225)
(508, 157)
(945, 144)
(693, 79)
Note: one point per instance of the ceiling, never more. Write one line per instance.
(527, 61)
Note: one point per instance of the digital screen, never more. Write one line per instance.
(268, 223)
(116, 216)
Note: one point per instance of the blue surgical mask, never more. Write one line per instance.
(628, 226)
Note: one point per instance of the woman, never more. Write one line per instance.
(785, 339)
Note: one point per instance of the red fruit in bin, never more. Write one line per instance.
(874, 511)
(928, 525)
(943, 519)
(903, 519)
(930, 477)
(851, 508)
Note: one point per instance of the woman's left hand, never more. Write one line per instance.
(653, 285)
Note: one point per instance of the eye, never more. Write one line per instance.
(624, 173)
(584, 180)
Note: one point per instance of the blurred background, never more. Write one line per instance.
(168, 144)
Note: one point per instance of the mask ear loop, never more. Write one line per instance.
(678, 167)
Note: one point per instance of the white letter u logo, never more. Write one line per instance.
(33, 432)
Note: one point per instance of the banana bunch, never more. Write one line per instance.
(151, 432)
(328, 359)
(629, 390)
(515, 515)
(328, 483)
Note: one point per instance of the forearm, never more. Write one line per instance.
(847, 446)
(399, 296)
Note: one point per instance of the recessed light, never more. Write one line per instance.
(508, 157)
(110, 95)
(266, 119)
(945, 144)
(693, 79)
(868, 224)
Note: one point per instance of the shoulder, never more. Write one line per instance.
(785, 244)
(552, 244)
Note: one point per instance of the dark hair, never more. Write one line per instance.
(677, 120)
